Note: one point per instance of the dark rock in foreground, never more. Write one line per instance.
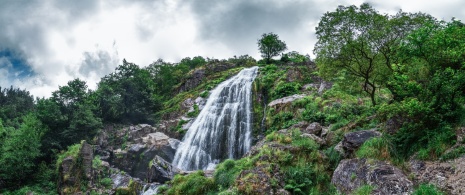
(386, 179)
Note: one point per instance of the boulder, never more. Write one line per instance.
(136, 159)
(393, 124)
(315, 138)
(386, 179)
(302, 125)
(314, 128)
(161, 171)
(353, 140)
(448, 176)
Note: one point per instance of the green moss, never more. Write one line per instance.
(376, 148)
(194, 183)
(364, 190)
(427, 189)
(72, 151)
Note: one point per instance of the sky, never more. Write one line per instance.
(46, 43)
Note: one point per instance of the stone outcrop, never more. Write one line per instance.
(193, 81)
(353, 140)
(136, 159)
(161, 171)
(285, 100)
(447, 176)
(386, 179)
(74, 169)
(314, 128)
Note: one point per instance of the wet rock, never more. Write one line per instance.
(161, 171)
(353, 140)
(447, 176)
(314, 128)
(285, 100)
(386, 179)
(200, 102)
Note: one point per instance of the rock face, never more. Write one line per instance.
(161, 171)
(386, 179)
(193, 81)
(71, 172)
(353, 140)
(447, 176)
(137, 158)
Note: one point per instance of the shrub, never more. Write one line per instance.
(284, 89)
(194, 183)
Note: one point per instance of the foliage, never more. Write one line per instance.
(376, 148)
(284, 89)
(14, 103)
(194, 183)
(427, 189)
(363, 190)
(359, 43)
(19, 150)
(269, 46)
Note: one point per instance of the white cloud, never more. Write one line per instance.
(87, 39)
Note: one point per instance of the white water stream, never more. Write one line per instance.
(223, 128)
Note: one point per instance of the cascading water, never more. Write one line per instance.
(223, 128)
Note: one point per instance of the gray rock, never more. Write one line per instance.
(285, 100)
(302, 125)
(161, 171)
(340, 149)
(315, 138)
(386, 179)
(447, 176)
(460, 132)
(353, 140)
(314, 128)
(193, 81)
(200, 102)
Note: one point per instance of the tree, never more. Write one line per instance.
(19, 150)
(270, 46)
(362, 43)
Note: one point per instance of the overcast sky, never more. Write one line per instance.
(46, 43)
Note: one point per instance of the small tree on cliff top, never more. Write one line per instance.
(270, 46)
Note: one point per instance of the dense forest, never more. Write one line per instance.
(403, 74)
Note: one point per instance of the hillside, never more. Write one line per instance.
(380, 110)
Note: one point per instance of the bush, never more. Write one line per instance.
(194, 183)
(364, 190)
(284, 89)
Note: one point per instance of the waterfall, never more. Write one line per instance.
(223, 128)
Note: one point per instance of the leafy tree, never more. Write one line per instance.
(270, 46)
(14, 103)
(19, 150)
(361, 43)
(128, 95)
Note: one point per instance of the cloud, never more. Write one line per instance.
(56, 41)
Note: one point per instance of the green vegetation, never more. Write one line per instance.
(403, 74)
(427, 189)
